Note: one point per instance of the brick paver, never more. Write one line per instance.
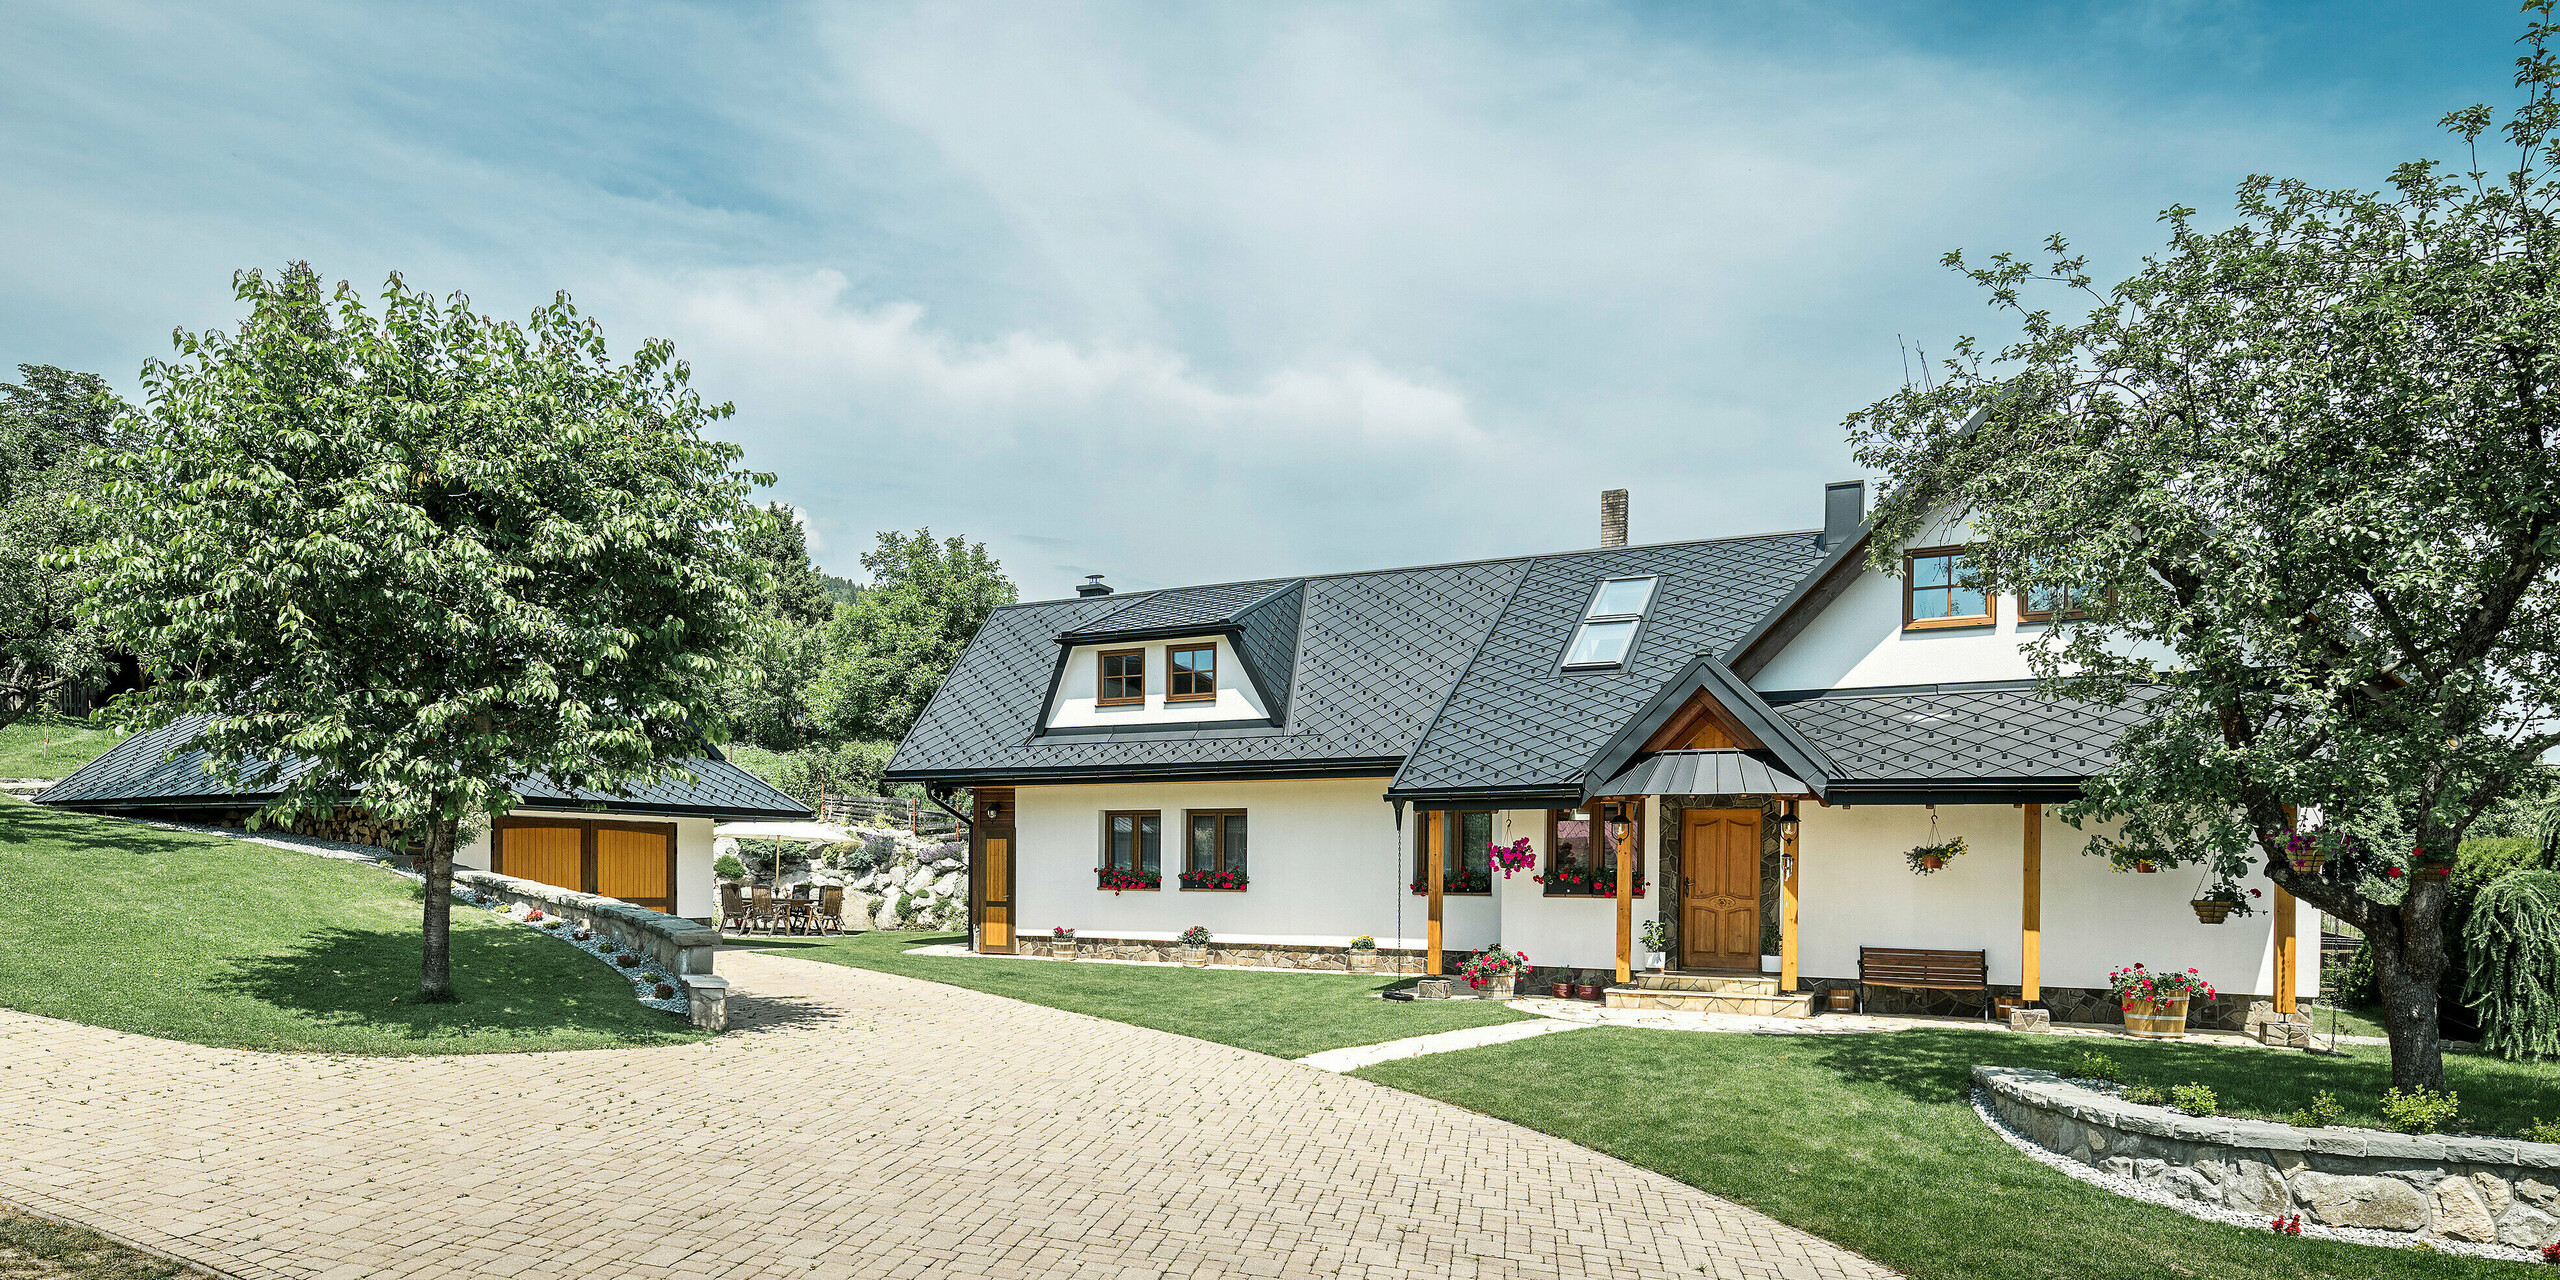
(956, 1134)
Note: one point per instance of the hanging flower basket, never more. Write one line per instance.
(1928, 858)
(2303, 849)
(2423, 868)
(2211, 910)
(1512, 857)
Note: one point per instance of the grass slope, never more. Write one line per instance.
(51, 745)
(223, 942)
(1868, 1141)
(32, 1248)
(1287, 1015)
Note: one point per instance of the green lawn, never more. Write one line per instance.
(34, 1249)
(49, 745)
(1867, 1141)
(1288, 1015)
(227, 943)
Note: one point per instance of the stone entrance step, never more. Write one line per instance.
(1768, 1004)
(1740, 984)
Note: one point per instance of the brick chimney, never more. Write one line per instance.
(1613, 517)
(1093, 585)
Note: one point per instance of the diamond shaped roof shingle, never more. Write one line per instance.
(133, 775)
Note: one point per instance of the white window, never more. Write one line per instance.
(1609, 626)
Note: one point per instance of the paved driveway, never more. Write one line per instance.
(857, 1124)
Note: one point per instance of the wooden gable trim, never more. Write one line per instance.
(1701, 724)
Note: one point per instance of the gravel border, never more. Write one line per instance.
(2127, 1187)
(679, 1004)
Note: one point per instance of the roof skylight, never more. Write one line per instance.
(1609, 626)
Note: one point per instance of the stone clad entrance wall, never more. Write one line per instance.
(2500, 1190)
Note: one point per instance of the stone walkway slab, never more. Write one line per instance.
(1369, 1055)
(964, 1134)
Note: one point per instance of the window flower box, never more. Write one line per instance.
(1120, 880)
(1215, 881)
(1573, 882)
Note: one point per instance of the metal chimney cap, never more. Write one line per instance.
(1093, 585)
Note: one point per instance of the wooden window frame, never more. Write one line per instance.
(1172, 672)
(1102, 678)
(1134, 853)
(587, 829)
(2071, 609)
(1911, 622)
(1421, 882)
(1219, 855)
(1598, 828)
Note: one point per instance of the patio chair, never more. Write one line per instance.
(831, 908)
(733, 908)
(761, 909)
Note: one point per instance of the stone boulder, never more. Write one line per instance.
(921, 880)
(2360, 1200)
(948, 885)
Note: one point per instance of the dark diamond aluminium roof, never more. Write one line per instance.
(1704, 773)
(1447, 682)
(133, 775)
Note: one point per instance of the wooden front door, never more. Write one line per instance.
(991, 876)
(1720, 889)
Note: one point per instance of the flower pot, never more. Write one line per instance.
(1932, 863)
(1560, 990)
(1495, 989)
(1587, 991)
(1364, 962)
(2156, 1019)
(2211, 910)
(2145, 868)
(2310, 863)
(1195, 957)
(1840, 1000)
(1062, 949)
(1770, 964)
(1654, 960)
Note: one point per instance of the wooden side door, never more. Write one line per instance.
(1720, 889)
(551, 853)
(991, 868)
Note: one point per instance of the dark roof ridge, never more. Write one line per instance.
(1135, 596)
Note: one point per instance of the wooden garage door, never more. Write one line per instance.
(632, 861)
(637, 865)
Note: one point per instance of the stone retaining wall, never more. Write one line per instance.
(1250, 955)
(2226, 1012)
(2499, 1190)
(679, 946)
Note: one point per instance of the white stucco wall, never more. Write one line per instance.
(1326, 859)
(1573, 932)
(1858, 642)
(697, 896)
(1079, 689)
(1857, 891)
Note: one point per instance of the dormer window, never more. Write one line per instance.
(1191, 673)
(1124, 678)
(1942, 587)
(1609, 625)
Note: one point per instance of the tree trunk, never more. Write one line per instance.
(435, 970)
(2409, 961)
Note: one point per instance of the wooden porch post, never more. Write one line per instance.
(1434, 841)
(2031, 910)
(1627, 855)
(1787, 905)
(2285, 943)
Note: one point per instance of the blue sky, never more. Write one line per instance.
(1187, 293)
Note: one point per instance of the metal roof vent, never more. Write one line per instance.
(1093, 585)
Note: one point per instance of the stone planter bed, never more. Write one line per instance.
(2485, 1197)
(593, 944)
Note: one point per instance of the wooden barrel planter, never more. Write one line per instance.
(1560, 990)
(2156, 1019)
(1587, 990)
(1840, 1000)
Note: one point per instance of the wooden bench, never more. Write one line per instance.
(1929, 970)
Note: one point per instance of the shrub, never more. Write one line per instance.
(554, 923)
(2195, 1099)
(665, 992)
(627, 960)
(2323, 1112)
(651, 977)
(1195, 936)
(2093, 1065)
(608, 946)
(2420, 1110)
(727, 867)
(1364, 943)
(2145, 1095)
(2541, 1130)
(2511, 942)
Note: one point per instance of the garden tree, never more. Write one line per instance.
(888, 649)
(767, 693)
(52, 427)
(2302, 477)
(428, 554)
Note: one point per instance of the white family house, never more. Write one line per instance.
(1740, 738)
